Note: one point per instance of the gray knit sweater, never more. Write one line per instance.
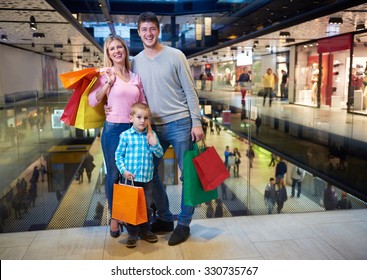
(168, 85)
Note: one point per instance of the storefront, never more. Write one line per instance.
(326, 76)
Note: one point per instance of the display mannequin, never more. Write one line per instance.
(314, 79)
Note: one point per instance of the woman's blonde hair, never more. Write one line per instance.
(106, 58)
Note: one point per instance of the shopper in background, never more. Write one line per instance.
(281, 195)
(330, 197)
(243, 81)
(297, 176)
(344, 202)
(270, 195)
(269, 80)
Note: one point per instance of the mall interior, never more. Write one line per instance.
(316, 122)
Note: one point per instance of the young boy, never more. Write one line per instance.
(134, 159)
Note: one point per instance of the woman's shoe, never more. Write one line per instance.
(115, 233)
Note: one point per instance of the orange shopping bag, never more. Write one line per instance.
(128, 204)
(71, 79)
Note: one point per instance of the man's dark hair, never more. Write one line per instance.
(148, 17)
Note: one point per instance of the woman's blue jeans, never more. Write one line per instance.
(110, 139)
(177, 134)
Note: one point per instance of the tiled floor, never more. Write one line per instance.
(336, 235)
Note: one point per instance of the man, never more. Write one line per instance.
(243, 80)
(284, 86)
(268, 83)
(280, 169)
(270, 195)
(173, 100)
(297, 176)
(344, 202)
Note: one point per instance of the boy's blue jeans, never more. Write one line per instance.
(177, 134)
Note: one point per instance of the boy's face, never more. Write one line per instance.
(140, 119)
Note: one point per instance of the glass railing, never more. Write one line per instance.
(38, 139)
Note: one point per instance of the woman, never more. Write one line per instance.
(122, 88)
(237, 161)
(281, 195)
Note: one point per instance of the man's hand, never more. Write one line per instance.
(197, 134)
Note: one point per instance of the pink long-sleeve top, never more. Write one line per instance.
(121, 97)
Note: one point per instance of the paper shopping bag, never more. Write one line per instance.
(88, 116)
(194, 193)
(128, 204)
(71, 108)
(72, 79)
(210, 168)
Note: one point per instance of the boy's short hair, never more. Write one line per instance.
(148, 17)
(139, 105)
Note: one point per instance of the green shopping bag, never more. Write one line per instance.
(194, 193)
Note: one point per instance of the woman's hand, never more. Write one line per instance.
(110, 76)
(107, 109)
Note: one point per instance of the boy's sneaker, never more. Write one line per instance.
(149, 236)
(131, 241)
(179, 235)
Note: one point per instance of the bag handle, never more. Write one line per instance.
(199, 148)
(132, 182)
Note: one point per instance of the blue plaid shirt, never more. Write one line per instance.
(135, 155)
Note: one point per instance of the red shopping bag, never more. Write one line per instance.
(71, 108)
(210, 168)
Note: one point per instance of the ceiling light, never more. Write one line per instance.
(284, 34)
(69, 41)
(58, 45)
(360, 26)
(267, 47)
(38, 35)
(335, 20)
(33, 45)
(4, 37)
(32, 23)
(290, 40)
(256, 42)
